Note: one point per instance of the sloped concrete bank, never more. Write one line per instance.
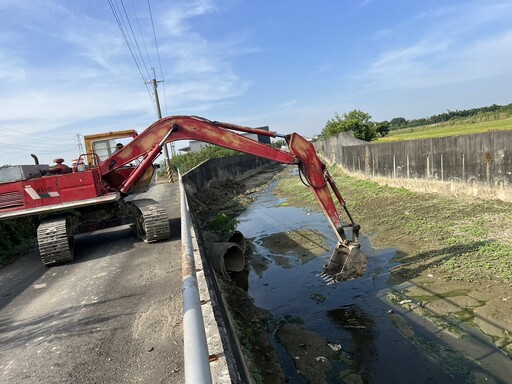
(236, 168)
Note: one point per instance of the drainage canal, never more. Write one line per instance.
(347, 332)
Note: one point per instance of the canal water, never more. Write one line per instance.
(290, 247)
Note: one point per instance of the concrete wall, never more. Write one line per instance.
(479, 164)
(235, 167)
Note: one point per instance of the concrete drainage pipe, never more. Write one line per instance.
(226, 257)
(239, 238)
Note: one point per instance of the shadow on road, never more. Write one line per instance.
(60, 324)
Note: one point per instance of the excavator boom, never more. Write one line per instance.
(345, 263)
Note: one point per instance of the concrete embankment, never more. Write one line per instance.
(478, 165)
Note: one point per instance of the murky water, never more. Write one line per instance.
(353, 314)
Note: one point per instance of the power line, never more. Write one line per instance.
(158, 55)
(18, 134)
(134, 38)
(120, 24)
(130, 38)
(141, 34)
(12, 149)
(21, 142)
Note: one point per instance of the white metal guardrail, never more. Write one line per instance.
(195, 347)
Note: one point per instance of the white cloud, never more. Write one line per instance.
(176, 17)
(201, 70)
(55, 107)
(453, 49)
(11, 69)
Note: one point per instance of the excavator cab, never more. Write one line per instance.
(105, 144)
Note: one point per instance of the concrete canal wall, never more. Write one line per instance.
(233, 167)
(478, 165)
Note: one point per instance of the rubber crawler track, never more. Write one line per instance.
(153, 223)
(55, 245)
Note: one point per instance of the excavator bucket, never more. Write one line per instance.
(346, 263)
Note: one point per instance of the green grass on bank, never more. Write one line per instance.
(17, 236)
(455, 238)
(476, 124)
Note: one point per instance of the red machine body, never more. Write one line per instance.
(27, 195)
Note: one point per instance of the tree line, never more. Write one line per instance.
(364, 128)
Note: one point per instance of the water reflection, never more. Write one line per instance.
(241, 279)
(360, 326)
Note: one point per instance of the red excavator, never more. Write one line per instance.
(91, 194)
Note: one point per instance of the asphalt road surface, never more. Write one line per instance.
(113, 315)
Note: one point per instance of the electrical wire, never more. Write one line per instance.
(135, 39)
(125, 26)
(141, 34)
(120, 24)
(20, 135)
(158, 55)
(30, 145)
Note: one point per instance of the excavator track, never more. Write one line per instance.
(55, 243)
(152, 223)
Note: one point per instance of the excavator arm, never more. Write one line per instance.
(345, 263)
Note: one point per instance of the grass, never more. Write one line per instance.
(222, 225)
(453, 128)
(17, 237)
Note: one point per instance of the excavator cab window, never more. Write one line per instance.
(104, 148)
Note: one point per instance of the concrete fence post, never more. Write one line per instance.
(442, 169)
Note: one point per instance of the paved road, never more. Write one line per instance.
(111, 316)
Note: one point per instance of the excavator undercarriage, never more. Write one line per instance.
(55, 234)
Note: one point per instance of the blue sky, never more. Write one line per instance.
(65, 69)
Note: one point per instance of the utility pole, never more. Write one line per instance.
(154, 82)
(157, 100)
(79, 143)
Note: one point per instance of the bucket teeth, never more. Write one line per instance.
(328, 279)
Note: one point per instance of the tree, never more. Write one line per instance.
(357, 121)
(361, 124)
(278, 143)
(333, 126)
(382, 128)
(397, 122)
